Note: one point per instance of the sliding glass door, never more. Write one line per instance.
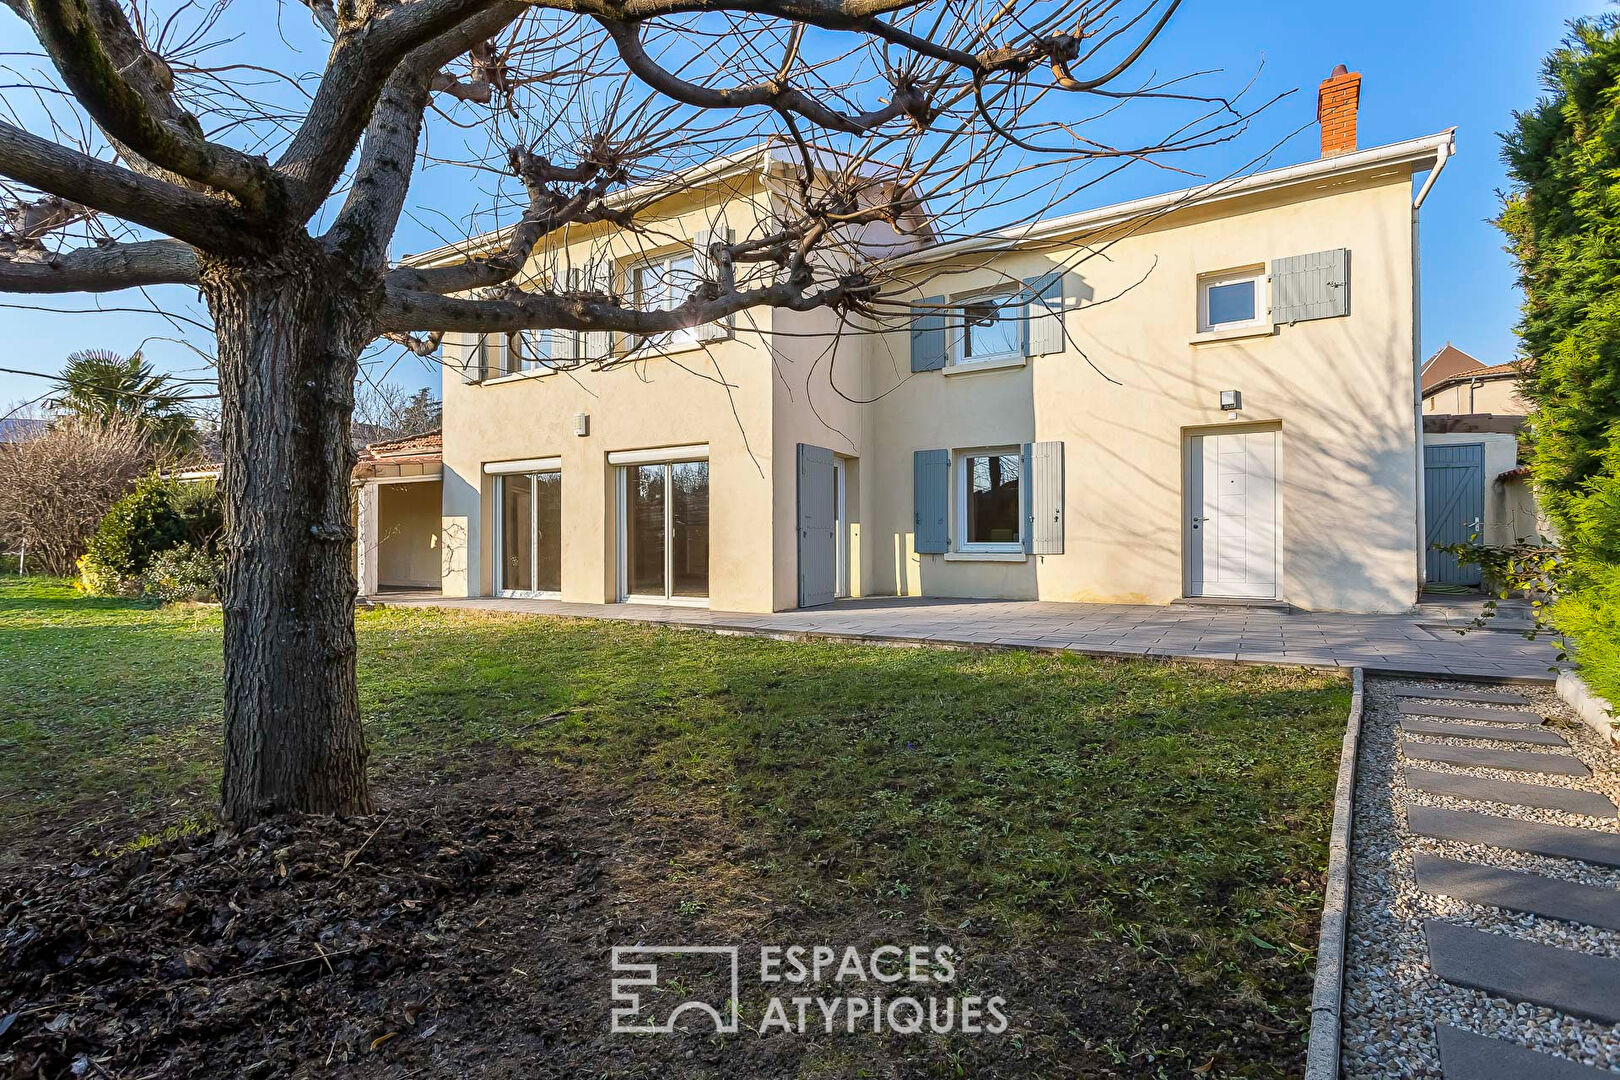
(528, 535)
(664, 531)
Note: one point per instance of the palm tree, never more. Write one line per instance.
(99, 384)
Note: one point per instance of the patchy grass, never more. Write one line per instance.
(1180, 811)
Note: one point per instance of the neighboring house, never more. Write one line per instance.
(1455, 384)
(1041, 428)
(1477, 491)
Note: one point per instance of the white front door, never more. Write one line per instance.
(1232, 534)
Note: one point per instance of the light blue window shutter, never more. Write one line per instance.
(931, 499)
(928, 335)
(472, 360)
(706, 271)
(599, 279)
(1043, 315)
(1043, 497)
(1314, 286)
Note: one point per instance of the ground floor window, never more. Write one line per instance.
(529, 533)
(990, 500)
(664, 530)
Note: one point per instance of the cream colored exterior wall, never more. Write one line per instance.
(675, 400)
(1133, 385)
(1498, 395)
(408, 518)
(1123, 398)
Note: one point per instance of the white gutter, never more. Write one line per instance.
(1413, 153)
(1442, 156)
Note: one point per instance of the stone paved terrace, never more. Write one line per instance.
(1421, 643)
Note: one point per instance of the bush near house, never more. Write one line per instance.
(1563, 228)
(157, 517)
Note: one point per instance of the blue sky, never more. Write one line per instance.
(1426, 65)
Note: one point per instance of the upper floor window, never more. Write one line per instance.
(988, 326)
(1231, 300)
(662, 283)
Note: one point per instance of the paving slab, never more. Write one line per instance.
(1478, 757)
(1558, 841)
(1466, 1056)
(1471, 712)
(1462, 786)
(1519, 970)
(1515, 890)
(1495, 732)
(1506, 697)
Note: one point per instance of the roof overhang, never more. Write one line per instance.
(1411, 156)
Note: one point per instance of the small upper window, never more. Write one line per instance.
(1228, 301)
(987, 327)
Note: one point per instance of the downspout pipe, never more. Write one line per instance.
(1442, 155)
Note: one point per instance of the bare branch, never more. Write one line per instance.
(186, 215)
(101, 269)
(129, 93)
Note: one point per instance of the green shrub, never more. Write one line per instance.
(183, 572)
(154, 517)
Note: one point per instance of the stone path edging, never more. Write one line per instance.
(1594, 711)
(1327, 997)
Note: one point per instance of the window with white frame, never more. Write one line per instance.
(662, 283)
(990, 499)
(550, 350)
(1232, 299)
(987, 326)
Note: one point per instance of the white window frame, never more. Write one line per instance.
(1007, 300)
(1262, 299)
(622, 462)
(500, 475)
(672, 340)
(959, 480)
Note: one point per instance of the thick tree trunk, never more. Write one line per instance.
(290, 330)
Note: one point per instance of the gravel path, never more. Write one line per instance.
(1392, 997)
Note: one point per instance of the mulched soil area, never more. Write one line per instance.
(466, 931)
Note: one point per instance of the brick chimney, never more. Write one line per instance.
(1336, 104)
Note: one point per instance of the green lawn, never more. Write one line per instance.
(1181, 809)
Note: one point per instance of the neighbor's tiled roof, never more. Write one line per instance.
(430, 443)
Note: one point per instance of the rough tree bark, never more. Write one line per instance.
(290, 332)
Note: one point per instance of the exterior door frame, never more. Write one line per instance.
(621, 487)
(1192, 487)
(534, 536)
(840, 528)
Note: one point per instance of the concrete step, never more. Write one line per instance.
(1514, 890)
(1472, 712)
(1477, 757)
(1462, 786)
(1505, 697)
(1557, 841)
(1466, 1056)
(1519, 970)
(1534, 736)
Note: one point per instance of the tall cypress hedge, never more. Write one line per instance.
(1562, 220)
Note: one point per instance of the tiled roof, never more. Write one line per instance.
(430, 443)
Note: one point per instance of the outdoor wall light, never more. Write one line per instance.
(582, 424)
(1231, 400)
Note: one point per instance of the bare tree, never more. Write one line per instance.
(277, 197)
(55, 487)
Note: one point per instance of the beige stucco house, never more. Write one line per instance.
(1226, 407)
